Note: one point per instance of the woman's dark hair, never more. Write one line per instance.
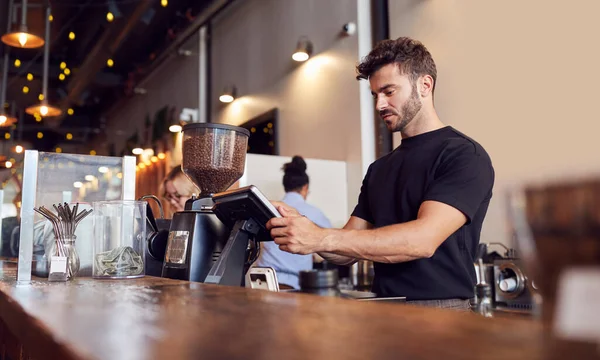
(294, 177)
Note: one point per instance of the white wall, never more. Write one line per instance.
(517, 76)
(327, 189)
(252, 45)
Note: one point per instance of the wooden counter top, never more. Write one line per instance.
(153, 318)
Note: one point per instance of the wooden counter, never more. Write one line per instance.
(155, 318)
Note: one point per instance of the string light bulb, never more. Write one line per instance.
(69, 136)
(61, 77)
(67, 71)
(70, 111)
(109, 16)
(63, 65)
(164, 3)
(17, 63)
(110, 62)
(71, 35)
(18, 149)
(29, 77)
(40, 135)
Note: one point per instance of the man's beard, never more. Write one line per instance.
(408, 111)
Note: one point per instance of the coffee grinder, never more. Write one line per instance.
(214, 157)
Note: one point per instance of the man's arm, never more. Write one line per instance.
(354, 223)
(408, 241)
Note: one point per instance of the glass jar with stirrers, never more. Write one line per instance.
(65, 223)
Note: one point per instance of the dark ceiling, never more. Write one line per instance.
(140, 32)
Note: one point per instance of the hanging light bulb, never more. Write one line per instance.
(69, 136)
(18, 149)
(43, 108)
(71, 35)
(17, 63)
(8, 164)
(109, 16)
(5, 119)
(63, 65)
(110, 62)
(304, 49)
(22, 38)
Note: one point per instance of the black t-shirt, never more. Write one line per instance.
(442, 165)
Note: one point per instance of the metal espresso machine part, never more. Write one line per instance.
(511, 289)
(214, 157)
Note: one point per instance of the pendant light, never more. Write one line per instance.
(22, 38)
(5, 120)
(43, 108)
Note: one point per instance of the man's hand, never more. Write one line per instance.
(290, 210)
(294, 233)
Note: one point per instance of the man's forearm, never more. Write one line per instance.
(338, 259)
(391, 244)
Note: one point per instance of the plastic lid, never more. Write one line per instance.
(216, 126)
(318, 279)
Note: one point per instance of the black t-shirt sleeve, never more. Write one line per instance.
(362, 209)
(463, 180)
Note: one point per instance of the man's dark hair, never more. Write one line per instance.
(411, 56)
(295, 176)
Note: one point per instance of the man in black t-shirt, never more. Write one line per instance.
(421, 207)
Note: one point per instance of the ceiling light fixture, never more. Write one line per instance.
(304, 49)
(228, 95)
(43, 108)
(21, 38)
(5, 119)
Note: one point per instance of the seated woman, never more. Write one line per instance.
(177, 188)
(286, 265)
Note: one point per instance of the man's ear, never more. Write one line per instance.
(426, 83)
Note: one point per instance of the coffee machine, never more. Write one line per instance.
(214, 157)
(510, 288)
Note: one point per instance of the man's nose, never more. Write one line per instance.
(381, 103)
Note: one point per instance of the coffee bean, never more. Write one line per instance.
(214, 158)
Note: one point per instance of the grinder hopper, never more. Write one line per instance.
(214, 155)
